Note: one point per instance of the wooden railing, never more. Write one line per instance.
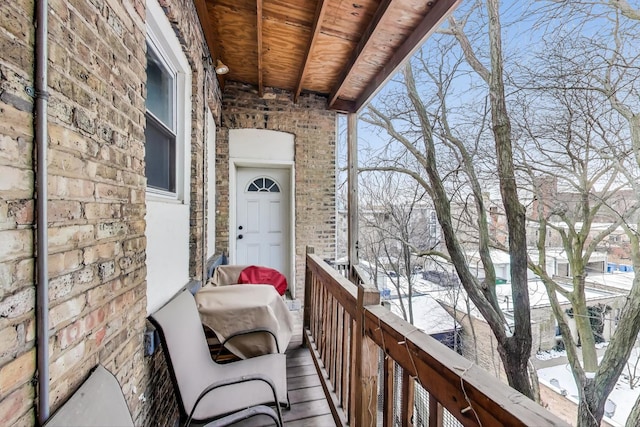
(376, 366)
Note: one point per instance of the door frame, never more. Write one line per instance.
(236, 163)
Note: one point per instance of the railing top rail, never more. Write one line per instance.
(345, 292)
(467, 391)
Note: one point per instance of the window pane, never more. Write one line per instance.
(265, 185)
(159, 156)
(159, 89)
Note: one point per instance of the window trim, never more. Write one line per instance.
(161, 36)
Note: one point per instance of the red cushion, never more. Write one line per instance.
(264, 275)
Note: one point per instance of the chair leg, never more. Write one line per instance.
(288, 401)
(279, 410)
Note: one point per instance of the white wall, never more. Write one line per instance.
(167, 251)
(266, 145)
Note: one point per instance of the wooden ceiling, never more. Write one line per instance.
(344, 50)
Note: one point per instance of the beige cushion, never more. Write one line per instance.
(226, 275)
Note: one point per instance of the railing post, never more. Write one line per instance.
(308, 279)
(365, 388)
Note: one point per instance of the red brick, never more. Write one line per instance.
(16, 405)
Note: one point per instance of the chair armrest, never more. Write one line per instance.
(245, 414)
(232, 381)
(248, 332)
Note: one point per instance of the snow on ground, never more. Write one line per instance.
(554, 354)
(560, 379)
(550, 354)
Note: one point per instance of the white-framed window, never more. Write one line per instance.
(167, 159)
(168, 112)
(160, 130)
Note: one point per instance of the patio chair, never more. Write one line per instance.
(208, 392)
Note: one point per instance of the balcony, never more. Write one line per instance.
(377, 369)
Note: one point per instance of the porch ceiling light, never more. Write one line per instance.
(221, 68)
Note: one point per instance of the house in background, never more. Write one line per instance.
(478, 343)
(128, 163)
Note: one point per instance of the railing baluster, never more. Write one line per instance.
(408, 396)
(334, 342)
(388, 391)
(307, 315)
(435, 412)
(353, 361)
(316, 307)
(346, 357)
(339, 350)
(322, 319)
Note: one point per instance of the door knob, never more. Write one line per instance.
(239, 236)
(240, 228)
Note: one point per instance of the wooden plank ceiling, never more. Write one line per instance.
(344, 50)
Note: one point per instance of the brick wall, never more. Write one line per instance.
(17, 326)
(96, 200)
(314, 130)
(561, 406)
(479, 345)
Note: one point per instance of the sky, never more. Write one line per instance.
(524, 33)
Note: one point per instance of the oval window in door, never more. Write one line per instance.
(263, 185)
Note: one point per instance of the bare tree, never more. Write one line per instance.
(393, 228)
(588, 79)
(446, 168)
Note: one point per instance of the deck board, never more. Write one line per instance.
(309, 406)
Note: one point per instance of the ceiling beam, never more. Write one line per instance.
(209, 36)
(431, 21)
(207, 28)
(321, 8)
(361, 46)
(343, 106)
(259, 30)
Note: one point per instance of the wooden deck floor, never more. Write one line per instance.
(309, 407)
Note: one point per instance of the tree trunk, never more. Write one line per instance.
(587, 341)
(518, 347)
(591, 406)
(514, 346)
(515, 356)
(634, 416)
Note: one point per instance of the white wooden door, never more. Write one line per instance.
(262, 218)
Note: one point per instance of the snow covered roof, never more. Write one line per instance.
(537, 297)
(538, 294)
(498, 257)
(560, 379)
(560, 255)
(616, 279)
(428, 315)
